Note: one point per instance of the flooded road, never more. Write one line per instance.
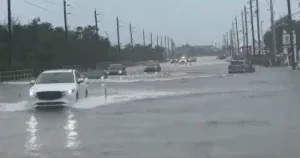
(195, 111)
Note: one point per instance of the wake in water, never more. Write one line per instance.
(17, 106)
(177, 76)
(125, 80)
(125, 96)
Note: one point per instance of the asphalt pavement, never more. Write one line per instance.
(195, 111)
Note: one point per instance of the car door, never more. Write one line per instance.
(81, 86)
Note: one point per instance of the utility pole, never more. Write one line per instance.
(252, 27)
(237, 36)
(168, 45)
(118, 34)
(156, 40)
(224, 43)
(66, 26)
(161, 42)
(243, 25)
(262, 36)
(166, 42)
(151, 39)
(231, 43)
(258, 29)
(131, 39)
(172, 47)
(65, 20)
(227, 43)
(144, 38)
(290, 22)
(233, 40)
(246, 32)
(10, 39)
(261, 30)
(273, 30)
(165, 47)
(96, 23)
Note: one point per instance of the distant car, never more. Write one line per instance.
(152, 67)
(172, 61)
(221, 57)
(240, 66)
(193, 60)
(115, 69)
(57, 88)
(182, 61)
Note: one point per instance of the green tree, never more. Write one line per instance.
(40, 46)
(280, 25)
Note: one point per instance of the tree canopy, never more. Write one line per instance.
(280, 25)
(39, 45)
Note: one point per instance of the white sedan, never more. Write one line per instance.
(57, 88)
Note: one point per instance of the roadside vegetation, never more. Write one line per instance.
(39, 45)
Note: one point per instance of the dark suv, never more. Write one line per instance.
(115, 69)
(240, 66)
(152, 67)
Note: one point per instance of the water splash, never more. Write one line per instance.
(12, 107)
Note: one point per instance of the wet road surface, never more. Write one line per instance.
(190, 111)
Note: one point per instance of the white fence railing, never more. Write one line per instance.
(16, 75)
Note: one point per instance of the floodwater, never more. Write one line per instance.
(196, 111)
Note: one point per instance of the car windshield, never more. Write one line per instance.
(236, 63)
(115, 67)
(151, 64)
(55, 77)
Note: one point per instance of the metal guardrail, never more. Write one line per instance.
(16, 75)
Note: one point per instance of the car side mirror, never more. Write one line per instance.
(86, 80)
(32, 82)
(80, 80)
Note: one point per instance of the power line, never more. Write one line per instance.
(69, 3)
(36, 5)
(74, 4)
(51, 2)
(295, 13)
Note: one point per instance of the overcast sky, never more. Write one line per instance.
(197, 22)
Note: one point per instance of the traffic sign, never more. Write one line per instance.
(286, 38)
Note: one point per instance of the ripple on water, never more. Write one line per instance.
(238, 123)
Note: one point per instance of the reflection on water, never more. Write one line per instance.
(72, 141)
(31, 145)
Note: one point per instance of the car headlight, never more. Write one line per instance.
(69, 91)
(120, 71)
(32, 93)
